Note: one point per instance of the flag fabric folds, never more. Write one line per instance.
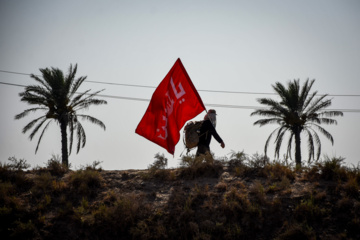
(174, 102)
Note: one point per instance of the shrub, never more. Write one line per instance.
(59, 186)
(117, 220)
(202, 166)
(188, 161)
(320, 197)
(176, 197)
(43, 184)
(83, 208)
(258, 191)
(354, 172)
(297, 231)
(234, 204)
(276, 172)
(13, 172)
(283, 185)
(331, 169)
(221, 187)
(55, 166)
(258, 161)
(160, 162)
(14, 175)
(351, 187)
(199, 194)
(237, 159)
(44, 202)
(157, 169)
(8, 196)
(17, 165)
(85, 182)
(24, 230)
(309, 211)
(95, 166)
(345, 205)
(313, 173)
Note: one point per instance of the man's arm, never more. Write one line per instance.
(216, 135)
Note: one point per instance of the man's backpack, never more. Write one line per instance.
(191, 136)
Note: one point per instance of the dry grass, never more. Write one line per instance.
(247, 198)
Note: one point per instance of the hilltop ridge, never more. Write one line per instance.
(204, 200)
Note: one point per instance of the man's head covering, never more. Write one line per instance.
(212, 111)
(211, 115)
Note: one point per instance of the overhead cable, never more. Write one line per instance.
(209, 104)
(200, 90)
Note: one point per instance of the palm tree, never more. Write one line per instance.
(56, 96)
(297, 112)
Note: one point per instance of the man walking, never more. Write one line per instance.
(207, 130)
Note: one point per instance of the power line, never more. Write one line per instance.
(200, 90)
(12, 84)
(15, 72)
(209, 104)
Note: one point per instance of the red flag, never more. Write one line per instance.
(174, 102)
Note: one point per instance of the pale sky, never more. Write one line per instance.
(229, 46)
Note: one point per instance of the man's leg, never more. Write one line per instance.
(202, 149)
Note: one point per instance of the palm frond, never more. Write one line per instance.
(71, 137)
(41, 81)
(75, 86)
(313, 119)
(48, 77)
(71, 74)
(32, 123)
(37, 90)
(81, 136)
(328, 121)
(292, 97)
(88, 101)
(331, 114)
(318, 144)
(308, 101)
(93, 120)
(76, 99)
(310, 144)
(268, 139)
(317, 105)
(281, 90)
(27, 111)
(266, 113)
(263, 122)
(275, 108)
(303, 97)
(325, 133)
(42, 133)
(33, 99)
(37, 128)
(270, 102)
(288, 152)
(69, 80)
(57, 78)
(278, 140)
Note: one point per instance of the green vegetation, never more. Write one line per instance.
(56, 96)
(297, 112)
(240, 197)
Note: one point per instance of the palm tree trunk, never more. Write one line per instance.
(297, 148)
(64, 150)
